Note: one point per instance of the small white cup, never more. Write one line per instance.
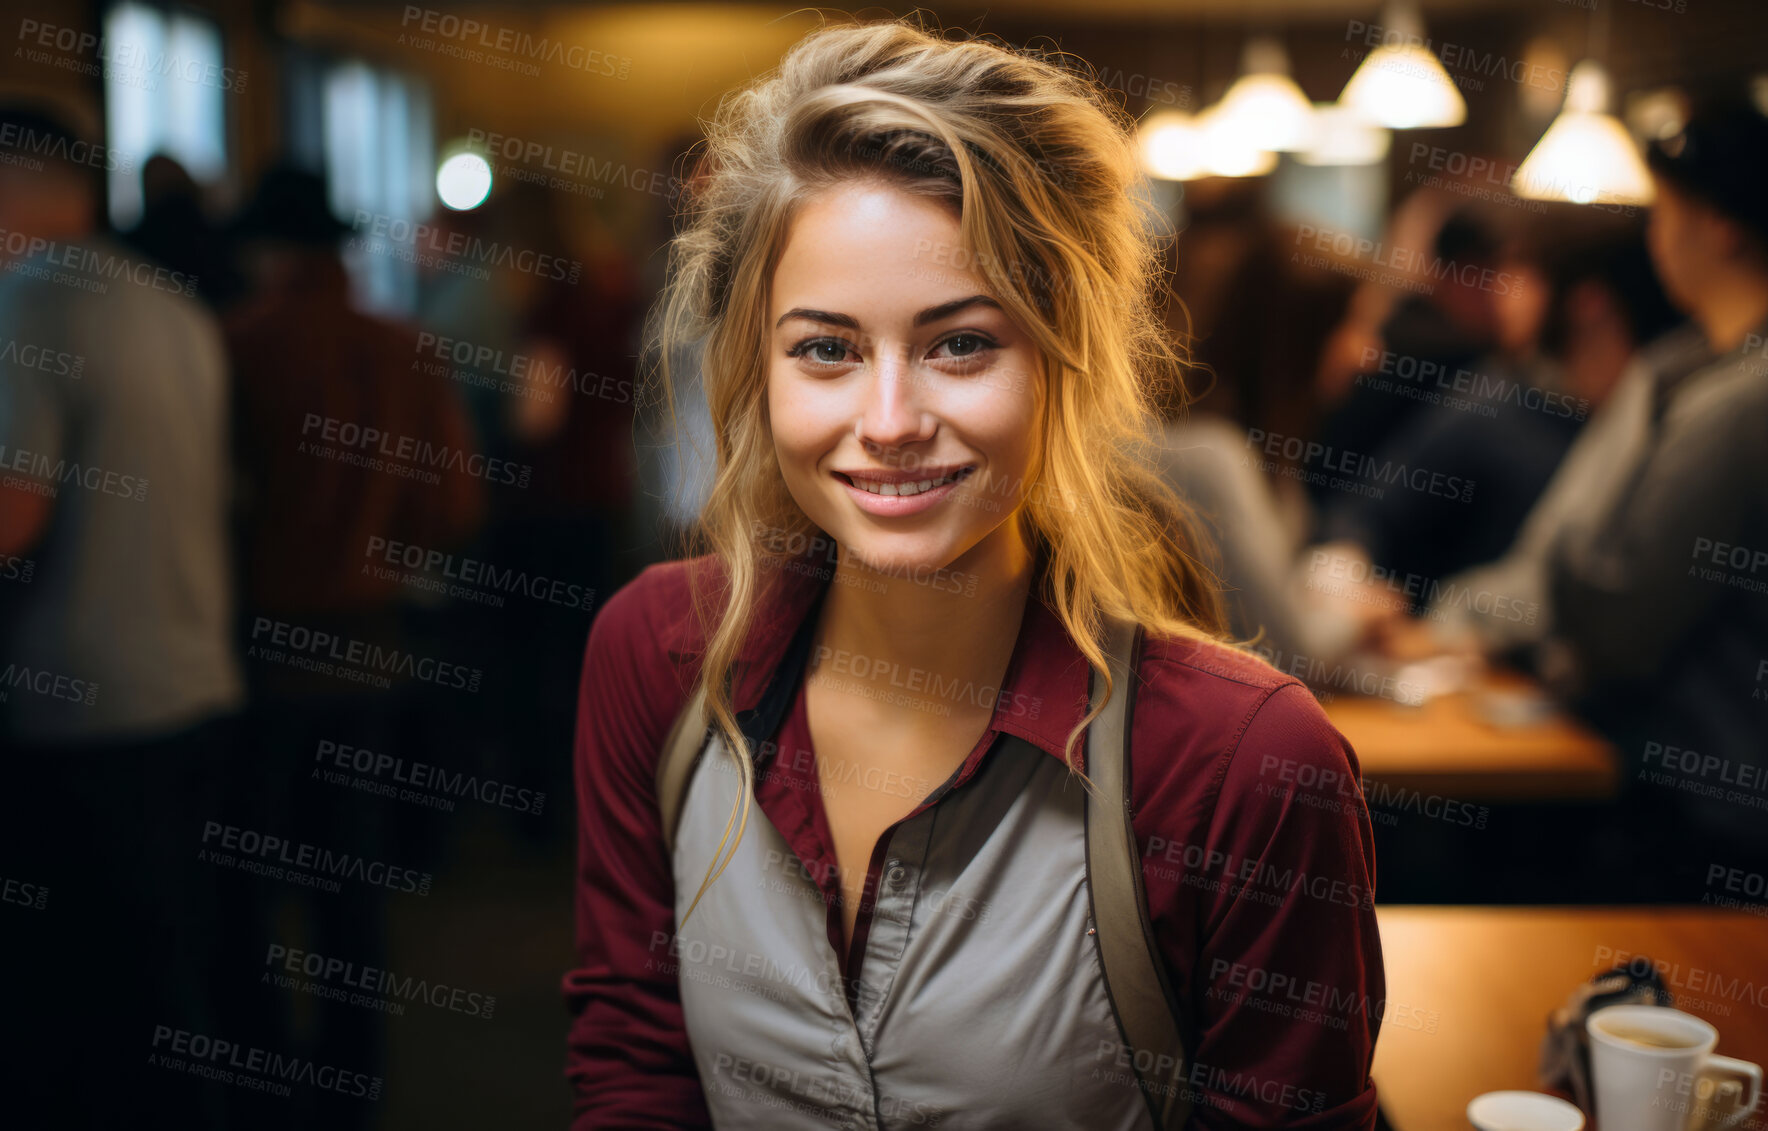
(1523, 1111)
(1654, 1068)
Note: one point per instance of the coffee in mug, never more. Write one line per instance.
(1651, 1038)
(1653, 1068)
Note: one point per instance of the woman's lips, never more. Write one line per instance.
(893, 506)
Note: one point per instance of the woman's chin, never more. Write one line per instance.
(896, 557)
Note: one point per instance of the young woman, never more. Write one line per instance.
(921, 284)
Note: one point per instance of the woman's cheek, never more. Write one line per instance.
(803, 433)
(1009, 406)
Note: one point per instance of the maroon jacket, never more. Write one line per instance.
(1256, 853)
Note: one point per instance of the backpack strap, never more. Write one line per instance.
(1135, 973)
(687, 737)
(681, 750)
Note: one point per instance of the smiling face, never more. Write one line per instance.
(905, 404)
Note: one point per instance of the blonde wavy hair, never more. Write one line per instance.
(1039, 164)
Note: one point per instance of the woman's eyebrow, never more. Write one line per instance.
(931, 314)
(947, 309)
(847, 320)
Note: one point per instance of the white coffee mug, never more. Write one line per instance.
(1654, 1068)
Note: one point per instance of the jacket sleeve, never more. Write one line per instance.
(628, 1061)
(1287, 985)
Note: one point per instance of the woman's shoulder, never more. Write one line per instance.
(639, 668)
(1215, 703)
(650, 620)
(1211, 668)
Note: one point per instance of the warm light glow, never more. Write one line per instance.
(1227, 150)
(1270, 109)
(464, 181)
(1172, 148)
(1178, 147)
(1265, 104)
(1400, 84)
(1586, 156)
(1404, 88)
(1341, 136)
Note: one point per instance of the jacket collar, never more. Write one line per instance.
(1042, 697)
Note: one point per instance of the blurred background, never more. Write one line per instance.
(320, 348)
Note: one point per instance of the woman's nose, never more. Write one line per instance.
(893, 412)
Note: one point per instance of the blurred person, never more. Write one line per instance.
(474, 311)
(1211, 460)
(306, 363)
(574, 425)
(1453, 323)
(1224, 264)
(480, 317)
(1414, 222)
(118, 683)
(1009, 385)
(1351, 344)
(328, 518)
(1660, 622)
(577, 426)
(176, 230)
(1487, 439)
(1610, 336)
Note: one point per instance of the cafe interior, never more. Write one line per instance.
(1439, 323)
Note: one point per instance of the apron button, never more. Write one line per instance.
(895, 873)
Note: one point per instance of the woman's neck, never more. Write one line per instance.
(920, 631)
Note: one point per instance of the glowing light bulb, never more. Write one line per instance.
(464, 181)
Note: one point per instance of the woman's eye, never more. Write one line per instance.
(823, 351)
(965, 345)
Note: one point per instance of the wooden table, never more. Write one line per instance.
(1489, 977)
(1445, 747)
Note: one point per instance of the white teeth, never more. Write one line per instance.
(877, 487)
